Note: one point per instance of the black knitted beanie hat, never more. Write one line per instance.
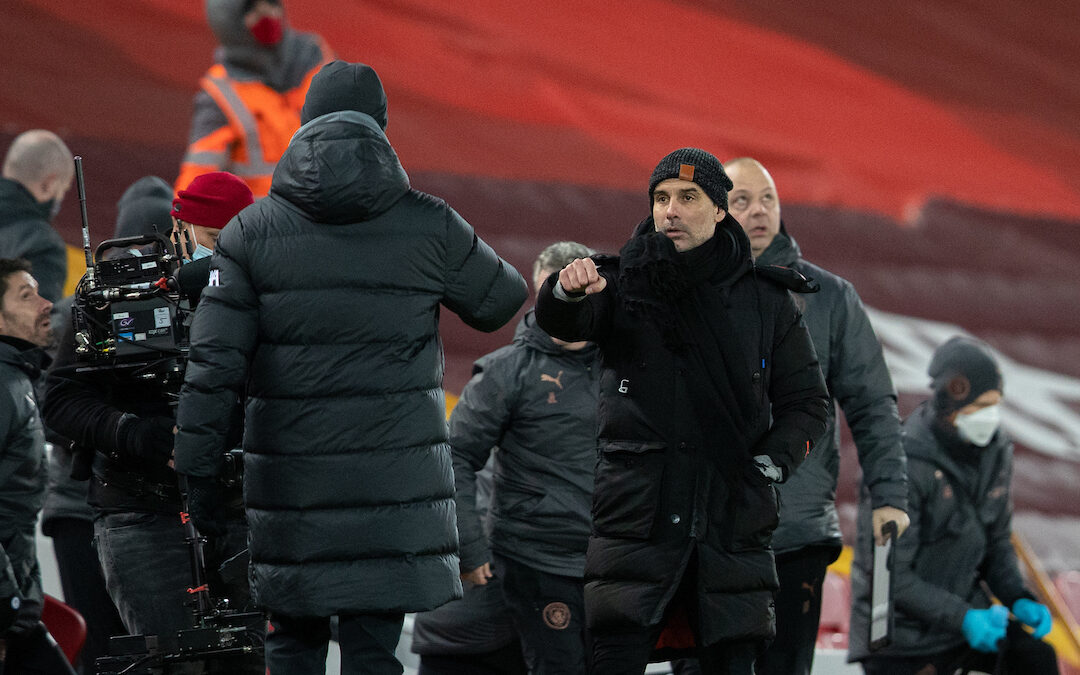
(696, 166)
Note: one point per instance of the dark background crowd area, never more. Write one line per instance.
(926, 152)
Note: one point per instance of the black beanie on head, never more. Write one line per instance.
(696, 166)
(345, 86)
(961, 370)
(146, 203)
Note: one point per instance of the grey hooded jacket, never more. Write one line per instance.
(323, 309)
(960, 536)
(536, 402)
(854, 368)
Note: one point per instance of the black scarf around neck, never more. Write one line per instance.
(685, 296)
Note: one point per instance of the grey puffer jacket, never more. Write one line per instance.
(537, 402)
(960, 535)
(323, 308)
(22, 478)
(855, 372)
(25, 232)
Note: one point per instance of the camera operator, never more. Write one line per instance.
(122, 413)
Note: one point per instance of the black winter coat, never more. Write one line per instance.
(22, 479)
(855, 372)
(672, 478)
(25, 232)
(536, 402)
(323, 305)
(960, 535)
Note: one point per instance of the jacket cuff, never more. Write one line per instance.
(560, 294)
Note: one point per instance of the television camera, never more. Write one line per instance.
(132, 312)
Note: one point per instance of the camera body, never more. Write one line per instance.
(129, 306)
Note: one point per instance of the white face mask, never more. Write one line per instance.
(979, 427)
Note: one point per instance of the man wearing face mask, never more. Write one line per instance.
(958, 544)
(37, 172)
(125, 421)
(248, 106)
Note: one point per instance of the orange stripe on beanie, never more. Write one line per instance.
(212, 199)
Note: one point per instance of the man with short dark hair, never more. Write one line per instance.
(25, 645)
(710, 393)
(37, 172)
(808, 537)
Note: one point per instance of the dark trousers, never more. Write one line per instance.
(504, 661)
(84, 586)
(1022, 655)
(798, 611)
(628, 652)
(548, 611)
(297, 645)
(34, 653)
(147, 568)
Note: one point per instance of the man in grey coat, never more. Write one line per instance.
(322, 311)
(37, 172)
(808, 537)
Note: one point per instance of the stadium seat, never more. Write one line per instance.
(1068, 585)
(835, 612)
(66, 625)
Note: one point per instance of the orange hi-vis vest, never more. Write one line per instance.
(261, 123)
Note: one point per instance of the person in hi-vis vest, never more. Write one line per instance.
(248, 104)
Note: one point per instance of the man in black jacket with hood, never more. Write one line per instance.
(808, 537)
(700, 349)
(323, 309)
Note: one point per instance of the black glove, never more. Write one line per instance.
(205, 505)
(147, 438)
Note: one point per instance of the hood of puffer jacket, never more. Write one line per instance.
(340, 168)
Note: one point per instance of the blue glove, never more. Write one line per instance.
(984, 627)
(1035, 615)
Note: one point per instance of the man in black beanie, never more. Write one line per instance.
(958, 544)
(700, 350)
(325, 314)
